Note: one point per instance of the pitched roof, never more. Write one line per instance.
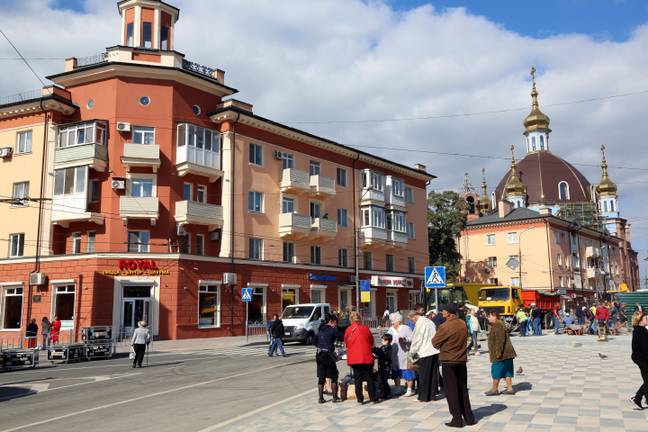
(517, 214)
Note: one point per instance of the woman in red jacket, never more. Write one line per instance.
(359, 342)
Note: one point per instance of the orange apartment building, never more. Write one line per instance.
(149, 193)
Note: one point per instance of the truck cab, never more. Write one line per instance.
(302, 321)
(504, 300)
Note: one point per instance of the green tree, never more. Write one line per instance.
(446, 219)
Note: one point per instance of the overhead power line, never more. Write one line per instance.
(22, 57)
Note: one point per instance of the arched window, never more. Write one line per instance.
(533, 143)
(563, 191)
(611, 205)
(605, 206)
(542, 147)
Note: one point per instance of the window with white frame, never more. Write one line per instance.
(200, 244)
(209, 306)
(390, 300)
(397, 187)
(287, 160)
(19, 194)
(389, 263)
(342, 217)
(409, 195)
(410, 230)
(16, 245)
(12, 308)
(82, 133)
(256, 154)
(314, 168)
(92, 237)
(255, 248)
(515, 281)
(563, 191)
(69, 181)
(201, 194)
(316, 254)
(164, 38)
(491, 261)
(76, 242)
(411, 265)
(143, 135)
(317, 295)
(287, 205)
(130, 29)
(198, 145)
(64, 296)
(367, 258)
(343, 257)
(396, 221)
(138, 241)
(147, 34)
(289, 252)
(24, 142)
(490, 239)
(512, 238)
(341, 177)
(373, 216)
(255, 202)
(141, 187)
(372, 179)
(493, 281)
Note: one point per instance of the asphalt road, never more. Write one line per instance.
(189, 391)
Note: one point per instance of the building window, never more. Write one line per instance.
(342, 218)
(515, 281)
(147, 34)
(390, 300)
(411, 265)
(130, 28)
(141, 187)
(82, 133)
(198, 145)
(16, 245)
(389, 263)
(95, 191)
(563, 191)
(410, 230)
(491, 262)
(490, 239)
(289, 252)
(201, 194)
(287, 160)
(493, 281)
(184, 243)
(373, 216)
(143, 135)
(187, 189)
(368, 260)
(287, 205)
(255, 202)
(196, 110)
(164, 38)
(64, 304)
(76, 242)
(315, 210)
(317, 295)
(12, 308)
(255, 248)
(200, 244)
(256, 154)
(24, 142)
(315, 255)
(92, 237)
(209, 306)
(396, 221)
(19, 194)
(70, 181)
(341, 177)
(343, 257)
(373, 180)
(138, 241)
(397, 187)
(314, 168)
(512, 238)
(409, 195)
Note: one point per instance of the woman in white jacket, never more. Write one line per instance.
(428, 363)
(141, 338)
(401, 338)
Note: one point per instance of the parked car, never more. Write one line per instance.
(302, 321)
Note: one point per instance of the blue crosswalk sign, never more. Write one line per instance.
(246, 295)
(435, 277)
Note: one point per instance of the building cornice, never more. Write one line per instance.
(38, 105)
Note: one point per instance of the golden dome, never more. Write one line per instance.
(536, 118)
(606, 187)
(514, 186)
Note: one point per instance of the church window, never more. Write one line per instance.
(612, 206)
(542, 146)
(563, 191)
(605, 206)
(533, 143)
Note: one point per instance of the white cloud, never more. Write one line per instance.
(351, 59)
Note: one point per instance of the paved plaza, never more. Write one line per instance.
(565, 386)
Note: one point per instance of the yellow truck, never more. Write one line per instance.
(502, 299)
(471, 290)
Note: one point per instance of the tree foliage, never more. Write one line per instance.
(446, 219)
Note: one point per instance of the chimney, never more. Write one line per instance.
(545, 211)
(504, 208)
(420, 167)
(70, 64)
(219, 75)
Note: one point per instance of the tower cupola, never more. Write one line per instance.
(536, 124)
(514, 190)
(607, 192)
(147, 24)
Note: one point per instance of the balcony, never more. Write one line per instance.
(94, 155)
(192, 160)
(397, 238)
(294, 226)
(392, 200)
(294, 181)
(592, 252)
(370, 196)
(141, 155)
(323, 228)
(139, 208)
(73, 208)
(322, 186)
(196, 213)
(373, 237)
(592, 272)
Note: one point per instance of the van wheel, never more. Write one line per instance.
(310, 339)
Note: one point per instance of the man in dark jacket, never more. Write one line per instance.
(325, 357)
(451, 339)
(277, 331)
(640, 354)
(536, 315)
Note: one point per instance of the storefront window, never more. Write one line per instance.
(256, 310)
(209, 306)
(64, 305)
(12, 308)
(289, 297)
(391, 301)
(317, 295)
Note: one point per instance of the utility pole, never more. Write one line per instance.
(356, 243)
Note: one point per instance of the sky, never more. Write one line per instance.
(340, 68)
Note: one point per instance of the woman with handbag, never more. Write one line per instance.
(425, 357)
(401, 338)
(141, 338)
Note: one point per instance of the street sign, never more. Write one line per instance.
(435, 277)
(365, 291)
(246, 295)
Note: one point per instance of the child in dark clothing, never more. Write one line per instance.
(383, 354)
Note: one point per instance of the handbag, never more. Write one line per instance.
(131, 354)
(412, 361)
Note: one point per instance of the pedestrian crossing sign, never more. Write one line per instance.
(435, 277)
(246, 294)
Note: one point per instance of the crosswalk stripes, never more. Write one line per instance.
(258, 351)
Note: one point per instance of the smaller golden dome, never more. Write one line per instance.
(514, 186)
(606, 187)
(536, 118)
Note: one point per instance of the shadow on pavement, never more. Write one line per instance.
(487, 411)
(523, 386)
(8, 393)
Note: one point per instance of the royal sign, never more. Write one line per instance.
(137, 268)
(392, 282)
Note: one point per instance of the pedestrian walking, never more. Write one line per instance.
(555, 314)
(277, 331)
(139, 341)
(501, 352)
(473, 327)
(359, 342)
(428, 357)
(269, 333)
(325, 357)
(401, 339)
(384, 356)
(45, 332)
(536, 315)
(640, 355)
(522, 319)
(451, 339)
(614, 318)
(55, 330)
(602, 317)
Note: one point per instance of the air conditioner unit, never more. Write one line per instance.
(5, 152)
(180, 230)
(214, 235)
(278, 154)
(37, 278)
(229, 278)
(118, 184)
(123, 127)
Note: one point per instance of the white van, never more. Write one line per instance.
(302, 321)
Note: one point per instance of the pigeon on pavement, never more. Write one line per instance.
(519, 371)
(602, 356)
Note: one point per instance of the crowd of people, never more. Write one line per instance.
(50, 332)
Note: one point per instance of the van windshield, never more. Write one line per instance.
(494, 294)
(297, 312)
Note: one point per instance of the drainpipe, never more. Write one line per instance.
(549, 255)
(232, 264)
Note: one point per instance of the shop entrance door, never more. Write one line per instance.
(136, 306)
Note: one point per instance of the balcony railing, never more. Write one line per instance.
(94, 155)
(73, 208)
(321, 185)
(394, 200)
(192, 160)
(21, 97)
(397, 238)
(139, 208)
(324, 227)
(141, 155)
(92, 60)
(294, 225)
(293, 180)
(373, 236)
(192, 212)
(369, 195)
(198, 68)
